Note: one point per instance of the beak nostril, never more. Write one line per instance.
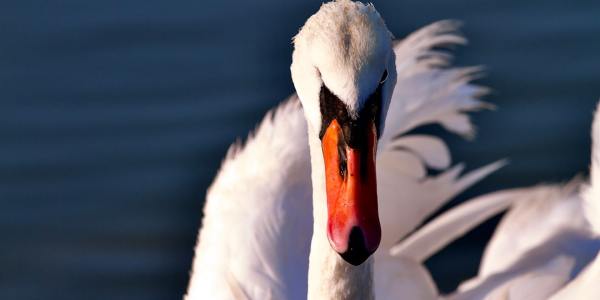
(343, 159)
(356, 252)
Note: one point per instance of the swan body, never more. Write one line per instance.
(262, 235)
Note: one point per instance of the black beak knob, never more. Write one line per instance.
(357, 251)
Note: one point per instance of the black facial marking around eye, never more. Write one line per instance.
(354, 130)
(383, 77)
(332, 108)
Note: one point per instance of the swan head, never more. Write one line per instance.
(343, 69)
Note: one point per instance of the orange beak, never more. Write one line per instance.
(353, 225)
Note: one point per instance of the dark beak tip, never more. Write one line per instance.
(354, 258)
(357, 251)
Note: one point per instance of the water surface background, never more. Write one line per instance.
(114, 116)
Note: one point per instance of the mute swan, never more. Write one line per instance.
(261, 231)
(546, 247)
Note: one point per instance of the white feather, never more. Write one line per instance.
(591, 194)
(584, 286)
(553, 223)
(532, 283)
(536, 216)
(405, 205)
(401, 164)
(260, 196)
(453, 224)
(431, 150)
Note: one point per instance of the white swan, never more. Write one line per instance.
(257, 232)
(546, 247)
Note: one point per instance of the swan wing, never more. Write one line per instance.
(255, 235)
(591, 192)
(452, 224)
(542, 242)
(534, 283)
(539, 214)
(427, 91)
(548, 223)
(546, 211)
(584, 286)
(531, 268)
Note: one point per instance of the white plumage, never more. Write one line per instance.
(546, 240)
(546, 247)
(584, 286)
(260, 195)
(254, 242)
(257, 234)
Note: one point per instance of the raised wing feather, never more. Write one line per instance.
(453, 224)
(431, 150)
(426, 92)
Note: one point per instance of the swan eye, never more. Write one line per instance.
(383, 77)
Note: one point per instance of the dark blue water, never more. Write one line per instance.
(114, 116)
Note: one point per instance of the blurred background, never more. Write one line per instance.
(115, 115)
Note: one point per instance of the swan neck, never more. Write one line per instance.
(329, 276)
